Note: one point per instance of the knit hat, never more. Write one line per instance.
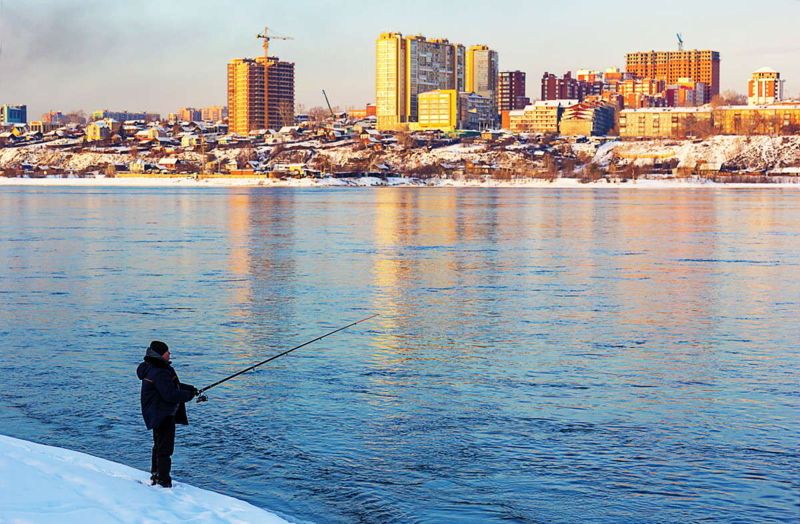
(158, 347)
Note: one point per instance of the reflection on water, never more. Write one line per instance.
(540, 355)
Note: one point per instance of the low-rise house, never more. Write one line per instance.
(99, 130)
(190, 141)
(151, 133)
(43, 127)
(295, 170)
(169, 164)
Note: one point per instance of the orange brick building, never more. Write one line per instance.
(672, 66)
(765, 87)
(247, 96)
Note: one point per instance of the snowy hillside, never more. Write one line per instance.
(42, 484)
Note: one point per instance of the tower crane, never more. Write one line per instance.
(266, 36)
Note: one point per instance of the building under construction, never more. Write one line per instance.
(247, 99)
(674, 66)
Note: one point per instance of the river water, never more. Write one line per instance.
(540, 355)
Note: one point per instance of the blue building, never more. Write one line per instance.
(13, 114)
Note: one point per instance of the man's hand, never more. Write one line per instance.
(195, 392)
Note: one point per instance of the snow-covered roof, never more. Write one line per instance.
(698, 109)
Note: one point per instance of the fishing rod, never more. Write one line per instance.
(203, 398)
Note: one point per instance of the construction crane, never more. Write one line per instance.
(329, 104)
(680, 42)
(266, 37)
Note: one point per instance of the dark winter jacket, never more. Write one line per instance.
(162, 393)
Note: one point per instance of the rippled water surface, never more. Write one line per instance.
(540, 355)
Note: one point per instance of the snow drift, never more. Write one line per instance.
(43, 484)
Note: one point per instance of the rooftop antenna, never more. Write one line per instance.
(680, 42)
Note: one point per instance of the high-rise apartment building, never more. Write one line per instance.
(765, 87)
(568, 87)
(671, 66)
(214, 113)
(482, 70)
(122, 116)
(248, 95)
(189, 114)
(410, 65)
(511, 91)
(53, 117)
(13, 114)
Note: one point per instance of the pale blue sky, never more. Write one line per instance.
(159, 55)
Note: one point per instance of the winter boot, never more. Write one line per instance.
(165, 483)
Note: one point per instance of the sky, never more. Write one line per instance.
(158, 55)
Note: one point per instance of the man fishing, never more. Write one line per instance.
(163, 406)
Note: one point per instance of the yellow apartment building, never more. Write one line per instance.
(778, 119)
(437, 110)
(678, 122)
(482, 72)
(664, 122)
(405, 67)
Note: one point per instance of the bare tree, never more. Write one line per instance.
(318, 114)
(550, 167)
(690, 126)
(704, 128)
(631, 172)
(775, 124)
(591, 173)
(568, 168)
(758, 124)
(732, 98)
(406, 140)
(286, 113)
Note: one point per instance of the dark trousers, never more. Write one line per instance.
(163, 446)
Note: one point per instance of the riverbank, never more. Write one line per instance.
(225, 181)
(48, 484)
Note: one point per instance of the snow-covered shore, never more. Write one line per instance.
(559, 183)
(43, 484)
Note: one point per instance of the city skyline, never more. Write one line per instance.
(180, 50)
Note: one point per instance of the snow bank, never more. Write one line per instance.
(560, 183)
(43, 484)
(741, 152)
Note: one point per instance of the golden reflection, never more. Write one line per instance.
(393, 227)
(239, 262)
(261, 267)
